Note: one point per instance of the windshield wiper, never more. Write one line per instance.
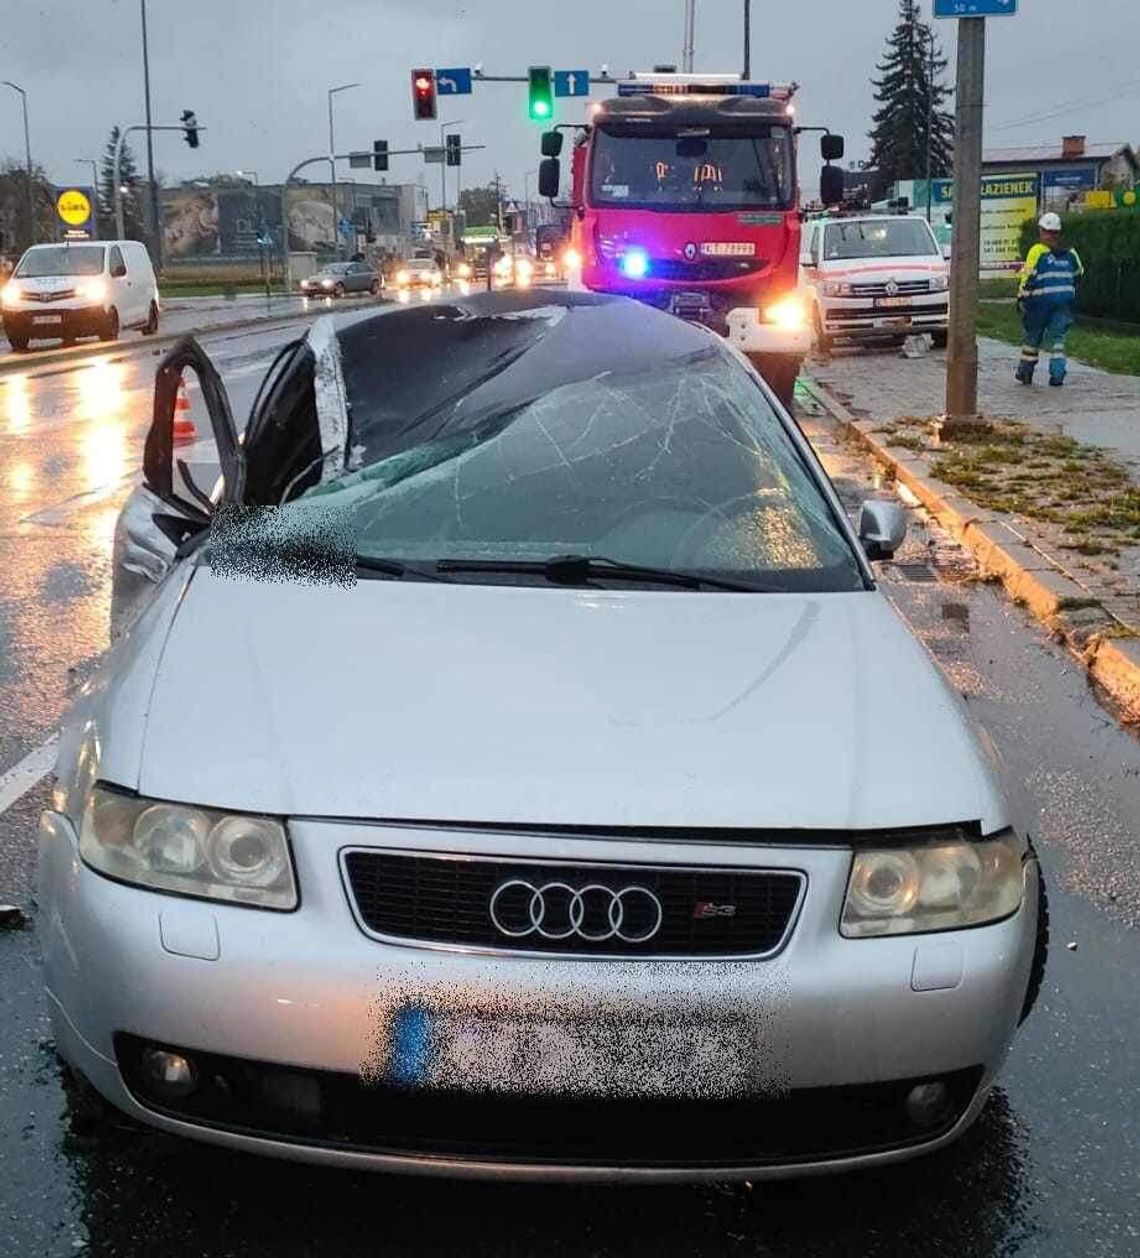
(394, 568)
(578, 569)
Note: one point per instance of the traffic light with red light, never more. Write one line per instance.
(423, 95)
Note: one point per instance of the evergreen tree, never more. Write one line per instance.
(908, 96)
(132, 198)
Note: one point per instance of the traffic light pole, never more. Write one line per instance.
(965, 254)
(117, 193)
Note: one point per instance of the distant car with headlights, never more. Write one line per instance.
(61, 292)
(340, 278)
(504, 772)
(419, 273)
(874, 276)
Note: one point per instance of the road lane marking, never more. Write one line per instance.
(26, 773)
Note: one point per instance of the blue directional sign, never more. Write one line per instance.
(975, 8)
(454, 82)
(571, 82)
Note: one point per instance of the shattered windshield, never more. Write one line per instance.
(683, 466)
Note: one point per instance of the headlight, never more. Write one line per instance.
(789, 314)
(836, 288)
(571, 259)
(940, 283)
(326, 283)
(463, 270)
(10, 295)
(189, 851)
(403, 277)
(937, 886)
(93, 290)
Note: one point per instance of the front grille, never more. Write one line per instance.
(934, 310)
(331, 1110)
(906, 288)
(448, 901)
(58, 295)
(704, 269)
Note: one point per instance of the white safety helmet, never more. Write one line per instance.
(1049, 222)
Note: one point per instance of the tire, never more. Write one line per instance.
(150, 327)
(110, 329)
(1041, 945)
(823, 342)
(338, 291)
(374, 288)
(780, 373)
(940, 339)
(18, 343)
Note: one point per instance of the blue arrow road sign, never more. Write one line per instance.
(454, 82)
(571, 82)
(975, 8)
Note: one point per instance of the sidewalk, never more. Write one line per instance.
(1049, 501)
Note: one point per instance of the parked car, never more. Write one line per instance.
(873, 276)
(72, 290)
(551, 809)
(339, 278)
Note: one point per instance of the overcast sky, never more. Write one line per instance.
(257, 71)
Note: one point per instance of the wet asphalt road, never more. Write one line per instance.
(1048, 1170)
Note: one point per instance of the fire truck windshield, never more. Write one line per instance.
(692, 172)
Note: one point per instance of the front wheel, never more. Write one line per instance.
(150, 327)
(338, 291)
(110, 330)
(780, 371)
(18, 343)
(374, 288)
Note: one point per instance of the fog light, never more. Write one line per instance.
(928, 1104)
(169, 1074)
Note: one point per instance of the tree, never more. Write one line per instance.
(133, 225)
(908, 96)
(14, 207)
(481, 205)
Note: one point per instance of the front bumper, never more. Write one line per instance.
(46, 321)
(826, 1033)
(861, 318)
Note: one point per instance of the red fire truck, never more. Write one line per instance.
(685, 195)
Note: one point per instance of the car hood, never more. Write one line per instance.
(544, 706)
(880, 270)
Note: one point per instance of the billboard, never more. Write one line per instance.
(311, 226)
(1007, 201)
(1062, 187)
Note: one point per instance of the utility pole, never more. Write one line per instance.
(31, 201)
(965, 260)
(747, 41)
(344, 87)
(690, 36)
(155, 230)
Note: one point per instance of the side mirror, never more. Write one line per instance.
(549, 177)
(552, 144)
(831, 147)
(882, 528)
(831, 185)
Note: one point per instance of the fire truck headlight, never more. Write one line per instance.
(634, 264)
(572, 259)
(789, 314)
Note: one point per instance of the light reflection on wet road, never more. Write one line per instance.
(1048, 1170)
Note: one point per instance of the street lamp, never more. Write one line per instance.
(929, 38)
(27, 160)
(344, 87)
(90, 161)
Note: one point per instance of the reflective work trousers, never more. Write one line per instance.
(1041, 322)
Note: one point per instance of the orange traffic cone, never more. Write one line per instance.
(184, 429)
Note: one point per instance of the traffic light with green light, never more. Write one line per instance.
(541, 98)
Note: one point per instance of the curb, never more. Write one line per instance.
(1105, 645)
(118, 349)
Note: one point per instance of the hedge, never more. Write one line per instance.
(1109, 244)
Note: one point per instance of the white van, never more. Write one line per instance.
(89, 289)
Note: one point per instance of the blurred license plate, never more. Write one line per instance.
(47, 318)
(893, 301)
(510, 1054)
(892, 323)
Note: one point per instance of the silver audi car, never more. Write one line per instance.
(508, 766)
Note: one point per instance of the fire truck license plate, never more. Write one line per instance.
(728, 248)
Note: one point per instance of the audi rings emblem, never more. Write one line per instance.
(593, 914)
